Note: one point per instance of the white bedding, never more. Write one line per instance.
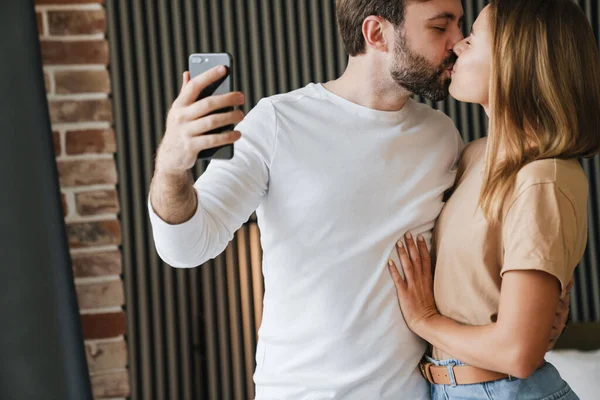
(580, 369)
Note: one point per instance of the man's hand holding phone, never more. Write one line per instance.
(189, 119)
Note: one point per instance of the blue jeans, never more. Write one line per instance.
(543, 384)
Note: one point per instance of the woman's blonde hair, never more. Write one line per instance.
(544, 91)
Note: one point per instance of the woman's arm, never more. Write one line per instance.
(514, 345)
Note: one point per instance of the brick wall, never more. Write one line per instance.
(75, 57)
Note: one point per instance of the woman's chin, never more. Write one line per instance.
(468, 92)
(459, 92)
(454, 90)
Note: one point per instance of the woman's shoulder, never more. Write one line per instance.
(564, 173)
(472, 153)
(475, 148)
(565, 176)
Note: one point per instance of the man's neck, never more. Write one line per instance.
(368, 86)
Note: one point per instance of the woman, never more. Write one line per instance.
(515, 227)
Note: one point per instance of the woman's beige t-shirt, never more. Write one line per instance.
(544, 227)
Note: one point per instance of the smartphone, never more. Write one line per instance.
(199, 63)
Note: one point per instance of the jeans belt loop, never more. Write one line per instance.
(451, 374)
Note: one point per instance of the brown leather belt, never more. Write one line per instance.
(463, 374)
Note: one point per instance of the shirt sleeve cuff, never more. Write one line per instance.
(548, 267)
(168, 236)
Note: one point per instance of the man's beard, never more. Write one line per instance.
(414, 73)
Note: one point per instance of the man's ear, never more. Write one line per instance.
(374, 33)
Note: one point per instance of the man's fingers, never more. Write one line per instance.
(560, 319)
(192, 89)
(555, 333)
(214, 121)
(211, 141)
(570, 285)
(563, 305)
(211, 104)
(186, 79)
(396, 277)
(562, 314)
(559, 327)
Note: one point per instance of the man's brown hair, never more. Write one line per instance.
(352, 13)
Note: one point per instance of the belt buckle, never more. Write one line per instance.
(424, 367)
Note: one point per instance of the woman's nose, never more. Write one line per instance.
(460, 47)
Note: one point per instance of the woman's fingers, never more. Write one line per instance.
(413, 252)
(425, 256)
(396, 277)
(405, 263)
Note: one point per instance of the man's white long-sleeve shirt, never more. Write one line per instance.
(334, 186)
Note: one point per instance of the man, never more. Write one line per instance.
(336, 173)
